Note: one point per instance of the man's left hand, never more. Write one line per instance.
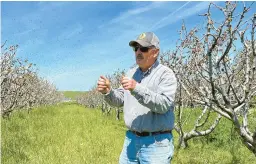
(128, 83)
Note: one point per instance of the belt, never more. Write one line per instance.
(144, 134)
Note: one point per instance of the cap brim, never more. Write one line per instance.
(140, 42)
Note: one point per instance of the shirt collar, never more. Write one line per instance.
(150, 69)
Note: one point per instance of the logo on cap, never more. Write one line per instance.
(142, 36)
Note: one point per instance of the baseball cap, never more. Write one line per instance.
(146, 39)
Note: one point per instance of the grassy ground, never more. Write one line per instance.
(72, 94)
(69, 133)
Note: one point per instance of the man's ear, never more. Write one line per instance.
(156, 52)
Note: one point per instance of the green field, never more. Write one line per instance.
(69, 133)
(72, 94)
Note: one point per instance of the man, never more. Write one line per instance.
(147, 96)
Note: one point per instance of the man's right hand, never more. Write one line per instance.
(103, 85)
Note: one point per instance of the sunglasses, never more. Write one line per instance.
(142, 49)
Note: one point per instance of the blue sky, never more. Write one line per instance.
(73, 43)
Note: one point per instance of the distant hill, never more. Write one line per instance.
(72, 94)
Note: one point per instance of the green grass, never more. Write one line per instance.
(72, 94)
(69, 133)
(222, 146)
(61, 134)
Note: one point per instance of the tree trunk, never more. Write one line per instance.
(118, 114)
(183, 143)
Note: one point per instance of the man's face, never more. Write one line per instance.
(145, 56)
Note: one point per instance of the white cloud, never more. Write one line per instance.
(71, 32)
(175, 16)
(136, 11)
(133, 12)
(24, 33)
(168, 16)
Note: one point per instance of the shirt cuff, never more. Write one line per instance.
(106, 94)
(138, 91)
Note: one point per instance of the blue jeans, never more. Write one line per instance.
(155, 149)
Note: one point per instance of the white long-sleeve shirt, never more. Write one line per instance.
(149, 107)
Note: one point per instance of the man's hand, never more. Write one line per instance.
(128, 83)
(103, 85)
